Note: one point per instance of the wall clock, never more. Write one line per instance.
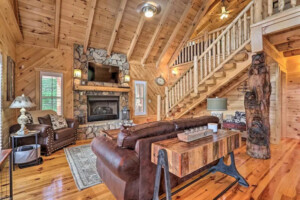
(160, 81)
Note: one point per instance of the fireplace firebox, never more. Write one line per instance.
(101, 108)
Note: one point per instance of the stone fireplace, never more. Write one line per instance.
(95, 109)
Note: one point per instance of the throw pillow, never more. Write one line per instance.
(58, 122)
(30, 120)
(45, 120)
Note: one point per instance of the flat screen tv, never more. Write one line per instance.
(103, 73)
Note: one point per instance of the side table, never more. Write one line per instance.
(14, 141)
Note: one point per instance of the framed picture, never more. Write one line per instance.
(10, 79)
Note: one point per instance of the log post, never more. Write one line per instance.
(167, 101)
(257, 105)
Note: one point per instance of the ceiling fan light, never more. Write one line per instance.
(148, 12)
(224, 13)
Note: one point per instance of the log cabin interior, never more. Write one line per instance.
(98, 96)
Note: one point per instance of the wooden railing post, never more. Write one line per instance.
(167, 101)
(158, 107)
(196, 74)
(258, 7)
(293, 3)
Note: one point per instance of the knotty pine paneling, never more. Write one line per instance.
(293, 97)
(7, 48)
(31, 60)
(147, 73)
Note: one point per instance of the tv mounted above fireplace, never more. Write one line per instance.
(103, 73)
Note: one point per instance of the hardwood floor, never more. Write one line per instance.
(277, 178)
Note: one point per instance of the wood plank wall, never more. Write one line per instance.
(31, 60)
(7, 48)
(293, 97)
(147, 73)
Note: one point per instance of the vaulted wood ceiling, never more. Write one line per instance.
(115, 25)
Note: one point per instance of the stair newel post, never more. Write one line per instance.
(196, 74)
(167, 101)
(158, 107)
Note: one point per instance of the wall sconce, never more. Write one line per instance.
(126, 78)
(77, 73)
(174, 71)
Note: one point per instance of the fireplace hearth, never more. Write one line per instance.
(101, 108)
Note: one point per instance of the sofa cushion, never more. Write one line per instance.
(58, 122)
(128, 137)
(63, 134)
(45, 120)
(181, 124)
(39, 113)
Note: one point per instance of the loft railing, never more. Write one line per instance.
(276, 6)
(196, 46)
(232, 39)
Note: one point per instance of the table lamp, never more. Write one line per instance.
(216, 106)
(22, 102)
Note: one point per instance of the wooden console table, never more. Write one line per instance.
(181, 158)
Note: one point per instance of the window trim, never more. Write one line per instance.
(145, 98)
(55, 74)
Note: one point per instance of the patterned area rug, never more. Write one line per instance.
(82, 162)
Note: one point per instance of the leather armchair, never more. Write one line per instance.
(49, 139)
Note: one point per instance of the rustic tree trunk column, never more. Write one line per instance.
(257, 104)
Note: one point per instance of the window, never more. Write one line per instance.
(140, 94)
(51, 89)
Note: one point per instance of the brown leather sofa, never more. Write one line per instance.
(49, 139)
(125, 164)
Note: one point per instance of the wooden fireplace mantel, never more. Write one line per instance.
(100, 88)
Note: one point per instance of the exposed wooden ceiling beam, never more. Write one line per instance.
(175, 31)
(57, 20)
(288, 46)
(201, 12)
(135, 37)
(89, 24)
(291, 53)
(157, 31)
(116, 27)
(287, 36)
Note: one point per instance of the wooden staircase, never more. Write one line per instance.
(223, 60)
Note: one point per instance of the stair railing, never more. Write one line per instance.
(232, 40)
(196, 46)
(275, 6)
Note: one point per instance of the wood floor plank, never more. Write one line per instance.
(276, 178)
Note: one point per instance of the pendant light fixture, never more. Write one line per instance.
(148, 8)
(224, 13)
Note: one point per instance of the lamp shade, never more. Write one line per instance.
(22, 102)
(216, 104)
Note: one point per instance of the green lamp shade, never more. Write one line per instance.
(216, 104)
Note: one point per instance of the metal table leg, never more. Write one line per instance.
(220, 167)
(13, 151)
(11, 164)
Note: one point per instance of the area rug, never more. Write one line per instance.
(82, 162)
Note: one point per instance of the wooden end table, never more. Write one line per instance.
(181, 158)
